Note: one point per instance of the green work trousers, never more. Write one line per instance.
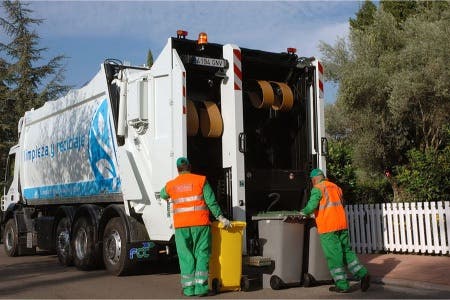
(337, 250)
(194, 248)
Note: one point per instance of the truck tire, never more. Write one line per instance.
(11, 238)
(83, 245)
(114, 248)
(62, 242)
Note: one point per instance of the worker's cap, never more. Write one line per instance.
(315, 172)
(182, 161)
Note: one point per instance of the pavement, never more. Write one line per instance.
(416, 271)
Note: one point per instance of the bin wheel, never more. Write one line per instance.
(245, 283)
(308, 280)
(275, 282)
(215, 286)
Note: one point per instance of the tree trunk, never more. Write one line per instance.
(396, 189)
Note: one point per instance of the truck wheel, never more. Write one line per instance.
(114, 248)
(83, 246)
(11, 238)
(62, 237)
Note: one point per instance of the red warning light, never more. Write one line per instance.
(291, 50)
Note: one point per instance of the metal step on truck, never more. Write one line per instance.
(85, 175)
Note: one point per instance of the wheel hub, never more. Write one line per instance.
(9, 239)
(81, 243)
(114, 247)
(63, 242)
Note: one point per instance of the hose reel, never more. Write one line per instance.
(208, 119)
(270, 94)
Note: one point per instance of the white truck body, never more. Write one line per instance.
(105, 150)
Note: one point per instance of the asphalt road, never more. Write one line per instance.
(41, 276)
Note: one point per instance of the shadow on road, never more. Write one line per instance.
(15, 278)
(381, 270)
(163, 267)
(31, 275)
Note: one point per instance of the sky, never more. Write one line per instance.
(88, 32)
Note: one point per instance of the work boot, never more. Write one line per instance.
(206, 294)
(188, 292)
(337, 290)
(365, 282)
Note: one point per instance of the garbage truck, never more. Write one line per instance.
(84, 178)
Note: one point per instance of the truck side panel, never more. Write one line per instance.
(68, 148)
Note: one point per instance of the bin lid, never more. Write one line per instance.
(234, 224)
(278, 215)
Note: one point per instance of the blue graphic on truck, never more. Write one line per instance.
(100, 144)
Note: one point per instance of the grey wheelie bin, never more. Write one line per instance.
(281, 234)
(315, 268)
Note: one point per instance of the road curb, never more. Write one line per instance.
(410, 283)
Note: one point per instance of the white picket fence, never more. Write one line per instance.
(417, 227)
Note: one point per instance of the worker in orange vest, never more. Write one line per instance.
(193, 199)
(326, 201)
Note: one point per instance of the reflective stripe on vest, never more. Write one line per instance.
(188, 199)
(328, 203)
(191, 208)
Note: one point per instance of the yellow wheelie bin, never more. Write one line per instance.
(225, 264)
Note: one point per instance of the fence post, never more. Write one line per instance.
(420, 214)
(379, 225)
(350, 220)
(434, 223)
(429, 234)
(373, 233)
(441, 230)
(357, 228)
(408, 214)
(402, 241)
(384, 223)
(416, 233)
(447, 223)
(362, 223)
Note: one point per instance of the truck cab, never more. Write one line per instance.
(11, 193)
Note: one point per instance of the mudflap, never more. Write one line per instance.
(146, 251)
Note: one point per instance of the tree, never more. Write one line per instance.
(149, 59)
(30, 85)
(394, 87)
(427, 176)
(401, 10)
(23, 84)
(364, 16)
(7, 120)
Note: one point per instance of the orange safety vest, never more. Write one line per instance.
(189, 206)
(330, 216)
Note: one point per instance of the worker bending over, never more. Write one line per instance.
(326, 201)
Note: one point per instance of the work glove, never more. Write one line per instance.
(303, 216)
(225, 222)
